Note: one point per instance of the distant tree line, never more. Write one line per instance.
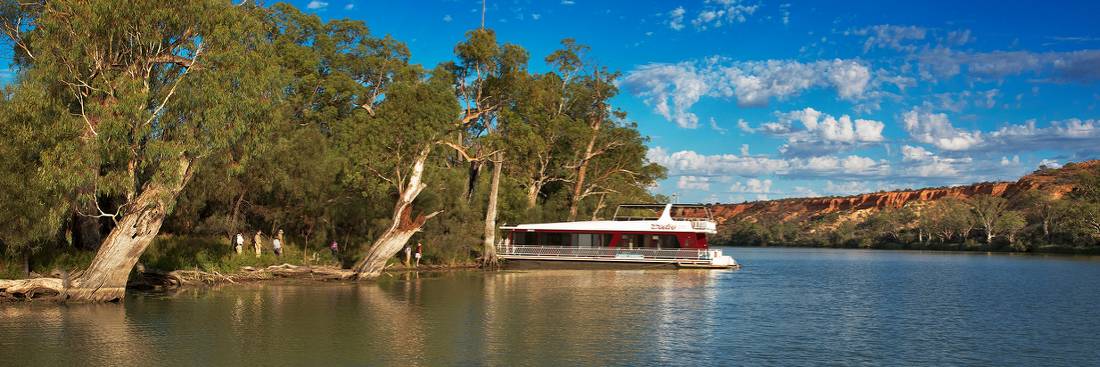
(1029, 221)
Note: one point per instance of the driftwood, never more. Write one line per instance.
(53, 288)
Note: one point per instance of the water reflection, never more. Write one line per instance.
(788, 307)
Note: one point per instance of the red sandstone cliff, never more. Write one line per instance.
(1054, 181)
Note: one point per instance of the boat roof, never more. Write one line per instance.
(664, 223)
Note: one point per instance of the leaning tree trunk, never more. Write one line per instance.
(490, 251)
(104, 280)
(402, 226)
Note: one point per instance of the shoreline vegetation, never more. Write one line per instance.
(175, 123)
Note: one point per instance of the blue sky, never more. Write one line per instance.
(749, 100)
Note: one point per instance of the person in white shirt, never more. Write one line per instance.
(239, 245)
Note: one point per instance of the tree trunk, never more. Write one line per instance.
(582, 170)
(599, 207)
(489, 256)
(105, 278)
(532, 195)
(471, 182)
(402, 226)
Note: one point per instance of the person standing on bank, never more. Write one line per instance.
(419, 249)
(335, 249)
(238, 243)
(277, 246)
(257, 242)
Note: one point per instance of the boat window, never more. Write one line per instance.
(525, 238)
(661, 241)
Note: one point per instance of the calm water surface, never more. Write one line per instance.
(786, 307)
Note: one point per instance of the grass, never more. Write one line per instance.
(168, 253)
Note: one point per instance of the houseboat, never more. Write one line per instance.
(639, 235)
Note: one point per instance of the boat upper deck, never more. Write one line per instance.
(627, 221)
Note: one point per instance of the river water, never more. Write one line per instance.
(785, 307)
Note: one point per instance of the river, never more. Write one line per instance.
(785, 307)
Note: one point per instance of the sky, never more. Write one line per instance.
(753, 100)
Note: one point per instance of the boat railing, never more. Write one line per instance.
(604, 252)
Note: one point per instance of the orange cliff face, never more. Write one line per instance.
(1054, 181)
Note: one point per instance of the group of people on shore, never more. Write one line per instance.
(257, 243)
(278, 241)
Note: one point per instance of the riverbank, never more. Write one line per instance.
(950, 247)
(173, 262)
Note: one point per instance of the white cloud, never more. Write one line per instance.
(1015, 161)
(1071, 134)
(744, 149)
(687, 162)
(349, 6)
(751, 83)
(936, 129)
(714, 126)
(676, 18)
(752, 186)
(819, 132)
(567, 2)
(913, 154)
(447, 18)
(693, 183)
(691, 163)
(1050, 163)
(660, 84)
(720, 12)
(316, 4)
(536, 16)
(891, 36)
(1081, 66)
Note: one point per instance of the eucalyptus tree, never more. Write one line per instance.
(388, 153)
(152, 88)
(487, 79)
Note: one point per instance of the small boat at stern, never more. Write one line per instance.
(638, 236)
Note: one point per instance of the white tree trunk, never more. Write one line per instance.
(402, 226)
(489, 256)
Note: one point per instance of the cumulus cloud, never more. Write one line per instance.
(676, 18)
(691, 163)
(316, 4)
(1072, 134)
(693, 183)
(811, 132)
(720, 12)
(688, 162)
(936, 129)
(672, 89)
(752, 186)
